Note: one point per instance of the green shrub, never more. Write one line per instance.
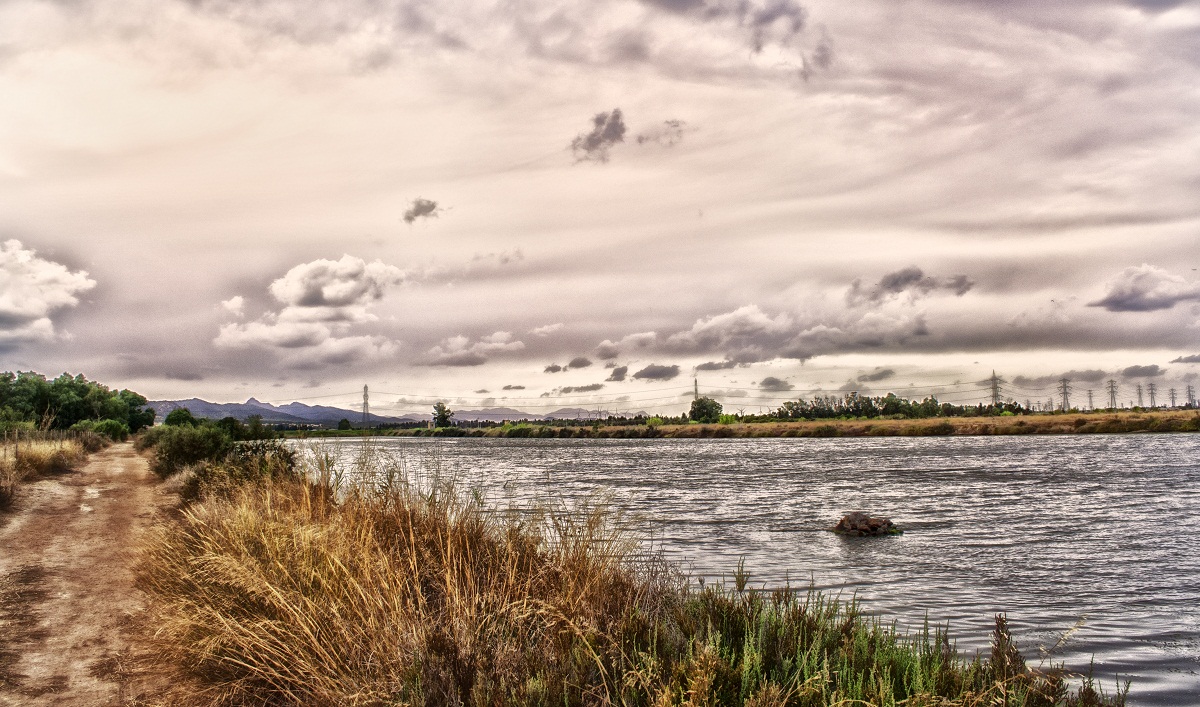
(114, 430)
(177, 447)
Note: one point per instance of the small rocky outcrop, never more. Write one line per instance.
(859, 524)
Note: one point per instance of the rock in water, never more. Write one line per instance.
(860, 524)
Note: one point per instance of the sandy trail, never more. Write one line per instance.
(67, 602)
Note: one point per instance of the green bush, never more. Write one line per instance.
(114, 430)
(177, 447)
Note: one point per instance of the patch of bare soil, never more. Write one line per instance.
(68, 607)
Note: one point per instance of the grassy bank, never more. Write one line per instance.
(281, 590)
(1038, 424)
(32, 453)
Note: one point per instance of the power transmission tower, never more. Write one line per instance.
(1153, 389)
(696, 391)
(1139, 393)
(1091, 406)
(1112, 394)
(366, 407)
(996, 381)
(1065, 388)
(1171, 395)
(1191, 395)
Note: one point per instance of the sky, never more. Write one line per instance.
(538, 204)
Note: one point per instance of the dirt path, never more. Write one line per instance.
(67, 602)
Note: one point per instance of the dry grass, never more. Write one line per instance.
(29, 458)
(283, 592)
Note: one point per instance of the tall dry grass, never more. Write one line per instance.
(22, 458)
(285, 591)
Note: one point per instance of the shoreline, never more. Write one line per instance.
(1041, 424)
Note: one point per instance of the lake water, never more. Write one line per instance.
(1100, 532)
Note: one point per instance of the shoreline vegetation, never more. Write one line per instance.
(1027, 424)
(281, 582)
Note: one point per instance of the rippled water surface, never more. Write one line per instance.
(1097, 531)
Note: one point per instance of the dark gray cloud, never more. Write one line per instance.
(1151, 371)
(718, 365)
(421, 208)
(460, 359)
(482, 391)
(877, 375)
(655, 372)
(514, 387)
(820, 59)
(607, 130)
(1145, 289)
(580, 362)
(911, 280)
(618, 374)
(591, 388)
(1194, 358)
(553, 368)
(668, 134)
(775, 385)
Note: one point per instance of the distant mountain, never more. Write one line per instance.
(292, 413)
(324, 415)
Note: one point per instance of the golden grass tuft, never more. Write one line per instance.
(33, 457)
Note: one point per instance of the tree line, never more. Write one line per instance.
(30, 400)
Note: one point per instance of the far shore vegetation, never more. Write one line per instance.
(852, 415)
(287, 579)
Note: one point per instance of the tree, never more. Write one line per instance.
(180, 417)
(442, 415)
(343, 424)
(705, 410)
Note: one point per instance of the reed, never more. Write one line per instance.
(286, 591)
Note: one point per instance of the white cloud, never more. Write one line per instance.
(235, 305)
(546, 330)
(1146, 288)
(460, 351)
(31, 289)
(349, 282)
(321, 301)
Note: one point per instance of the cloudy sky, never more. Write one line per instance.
(534, 203)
